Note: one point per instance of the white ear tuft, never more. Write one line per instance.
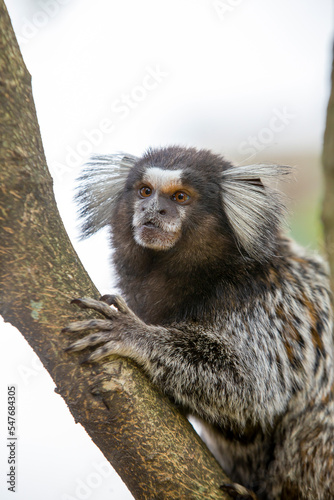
(100, 186)
(254, 210)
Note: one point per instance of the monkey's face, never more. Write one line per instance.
(161, 205)
(186, 197)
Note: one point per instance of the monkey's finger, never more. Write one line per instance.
(89, 324)
(89, 341)
(109, 311)
(238, 492)
(116, 301)
(111, 347)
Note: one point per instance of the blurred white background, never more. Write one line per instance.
(248, 79)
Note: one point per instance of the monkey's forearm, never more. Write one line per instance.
(214, 377)
(200, 368)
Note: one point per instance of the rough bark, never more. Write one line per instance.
(328, 165)
(152, 447)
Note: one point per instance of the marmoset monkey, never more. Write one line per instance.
(226, 315)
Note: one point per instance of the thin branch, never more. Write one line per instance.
(328, 164)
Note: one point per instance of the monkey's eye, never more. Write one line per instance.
(180, 197)
(145, 191)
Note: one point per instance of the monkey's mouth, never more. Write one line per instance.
(151, 224)
(152, 235)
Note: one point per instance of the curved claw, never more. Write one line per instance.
(238, 492)
(116, 301)
(109, 311)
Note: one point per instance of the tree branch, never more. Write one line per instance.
(152, 447)
(328, 165)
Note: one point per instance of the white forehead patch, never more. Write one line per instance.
(162, 179)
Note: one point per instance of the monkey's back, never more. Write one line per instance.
(289, 437)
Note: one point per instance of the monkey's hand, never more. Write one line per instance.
(116, 333)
